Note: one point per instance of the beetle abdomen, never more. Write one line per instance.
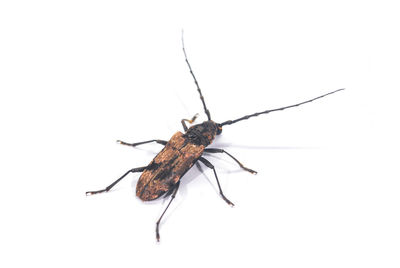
(166, 169)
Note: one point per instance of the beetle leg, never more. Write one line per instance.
(143, 142)
(189, 121)
(216, 150)
(108, 188)
(176, 186)
(208, 164)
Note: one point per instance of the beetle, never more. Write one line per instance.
(162, 176)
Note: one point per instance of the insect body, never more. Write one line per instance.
(166, 169)
(162, 176)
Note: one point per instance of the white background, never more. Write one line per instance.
(77, 75)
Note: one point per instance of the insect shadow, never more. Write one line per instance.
(162, 176)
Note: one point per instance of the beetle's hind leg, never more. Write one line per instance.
(108, 188)
(209, 165)
(174, 191)
(216, 150)
(189, 121)
(143, 142)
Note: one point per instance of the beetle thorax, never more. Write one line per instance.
(203, 133)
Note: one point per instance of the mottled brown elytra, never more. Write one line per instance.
(162, 176)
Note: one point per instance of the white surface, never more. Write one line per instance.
(78, 75)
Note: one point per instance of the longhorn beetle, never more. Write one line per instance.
(162, 176)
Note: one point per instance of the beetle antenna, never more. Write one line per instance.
(230, 122)
(195, 81)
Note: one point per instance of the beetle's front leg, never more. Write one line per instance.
(217, 150)
(189, 121)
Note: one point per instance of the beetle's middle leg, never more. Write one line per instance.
(189, 121)
(208, 164)
(143, 142)
(108, 188)
(175, 190)
(217, 150)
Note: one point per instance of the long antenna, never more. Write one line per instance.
(230, 122)
(195, 81)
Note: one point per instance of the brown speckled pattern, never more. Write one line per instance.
(177, 157)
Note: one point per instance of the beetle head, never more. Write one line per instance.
(204, 133)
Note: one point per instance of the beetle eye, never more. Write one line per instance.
(219, 129)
